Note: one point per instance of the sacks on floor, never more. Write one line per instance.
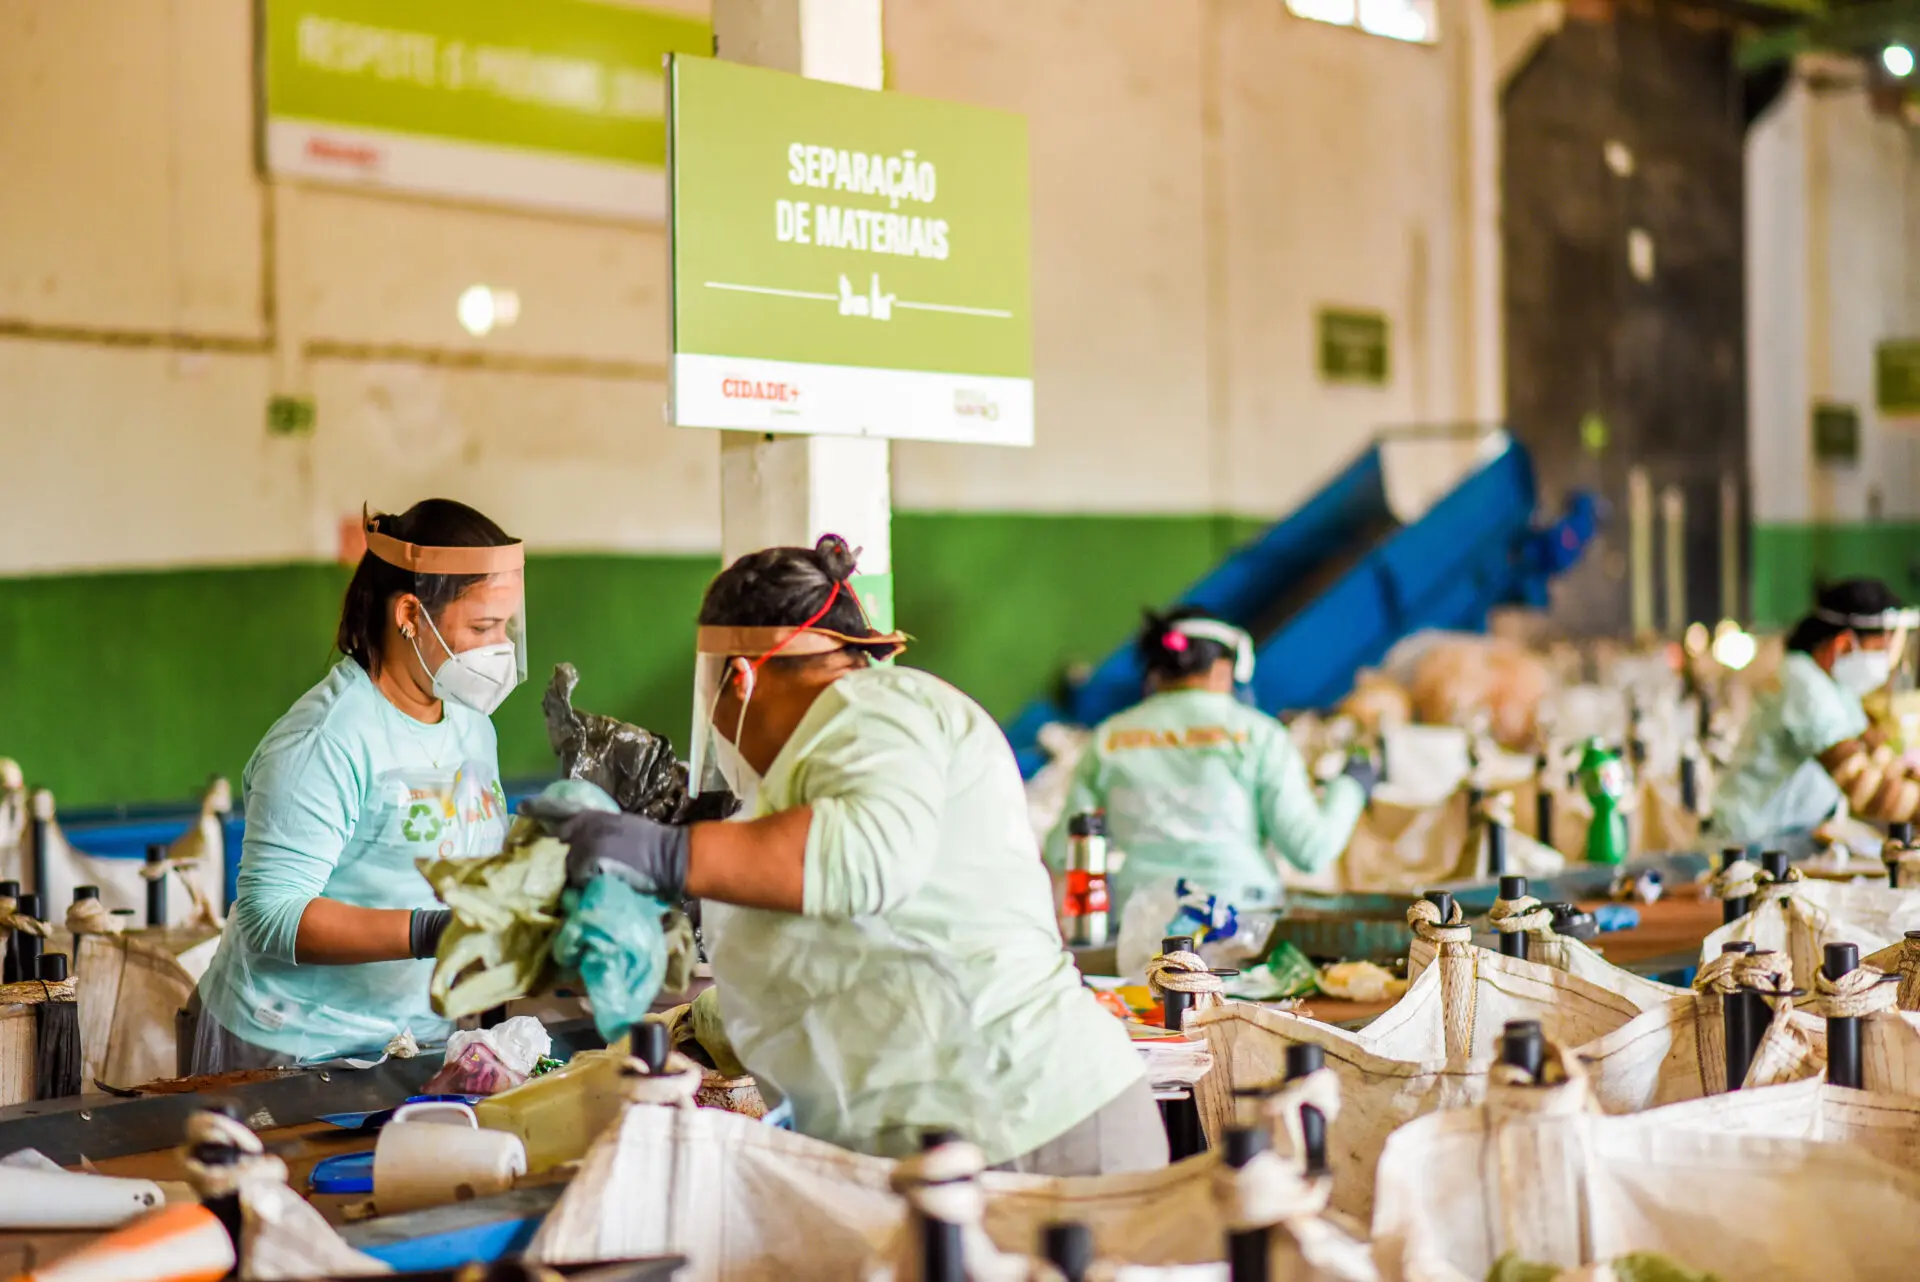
(745, 1201)
(1537, 1173)
(1430, 1051)
(1801, 916)
(129, 987)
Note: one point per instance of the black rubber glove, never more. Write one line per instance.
(649, 856)
(424, 931)
(1361, 769)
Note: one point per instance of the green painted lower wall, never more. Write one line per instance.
(1791, 559)
(128, 688)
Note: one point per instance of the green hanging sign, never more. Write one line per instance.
(557, 105)
(846, 261)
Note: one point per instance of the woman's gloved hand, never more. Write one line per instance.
(425, 929)
(651, 857)
(1361, 769)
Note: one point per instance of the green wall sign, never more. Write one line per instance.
(847, 262)
(557, 105)
(1836, 433)
(1353, 347)
(1896, 369)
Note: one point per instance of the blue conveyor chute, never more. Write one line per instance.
(1330, 589)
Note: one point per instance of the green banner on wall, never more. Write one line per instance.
(557, 105)
(847, 262)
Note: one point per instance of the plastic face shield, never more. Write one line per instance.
(1901, 632)
(472, 637)
(1235, 639)
(726, 667)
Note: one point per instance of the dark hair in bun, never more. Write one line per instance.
(1173, 655)
(786, 587)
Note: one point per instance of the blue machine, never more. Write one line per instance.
(1330, 589)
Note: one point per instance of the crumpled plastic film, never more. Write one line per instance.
(633, 766)
(612, 938)
(510, 911)
(506, 909)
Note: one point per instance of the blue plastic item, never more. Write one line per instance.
(1330, 589)
(1612, 917)
(379, 1117)
(347, 1173)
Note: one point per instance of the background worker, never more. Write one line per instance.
(1808, 745)
(390, 758)
(891, 963)
(1198, 785)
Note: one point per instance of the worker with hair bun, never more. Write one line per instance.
(1808, 746)
(880, 925)
(1200, 786)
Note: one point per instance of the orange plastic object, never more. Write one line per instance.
(183, 1243)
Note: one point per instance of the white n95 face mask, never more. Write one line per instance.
(480, 678)
(1861, 672)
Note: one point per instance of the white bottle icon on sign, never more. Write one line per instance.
(873, 303)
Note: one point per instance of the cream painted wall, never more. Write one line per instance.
(1205, 176)
(1206, 173)
(1833, 268)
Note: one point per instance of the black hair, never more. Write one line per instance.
(434, 523)
(1848, 597)
(1176, 661)
(786, 587)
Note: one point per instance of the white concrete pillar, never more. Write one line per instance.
(791, 490)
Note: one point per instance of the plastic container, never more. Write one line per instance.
(559, 1115)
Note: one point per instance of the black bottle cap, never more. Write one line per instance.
(1088, 823)
(85, 892)
(51, 968)
(1304, 1058)
(1513, 887)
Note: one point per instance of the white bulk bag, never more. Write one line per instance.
(745, 1201)
(1801, 916)
(1429, 1051)
(1539, 1172)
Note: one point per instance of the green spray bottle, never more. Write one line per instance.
(1603, 777)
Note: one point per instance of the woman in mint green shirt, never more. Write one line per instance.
(1197, 785)
(881, 927)
(390, 758)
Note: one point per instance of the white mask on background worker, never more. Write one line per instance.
(1860, 671)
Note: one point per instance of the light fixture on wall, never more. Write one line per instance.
(483, 309)
(1898, 60)
(1733, 646)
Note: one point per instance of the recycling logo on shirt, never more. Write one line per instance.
(421, 823)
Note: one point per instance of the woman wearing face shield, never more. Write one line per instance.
(880, 927)
(1196, 784)
(389, 758)
(1808, 747)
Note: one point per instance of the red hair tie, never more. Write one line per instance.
(1175, 641)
